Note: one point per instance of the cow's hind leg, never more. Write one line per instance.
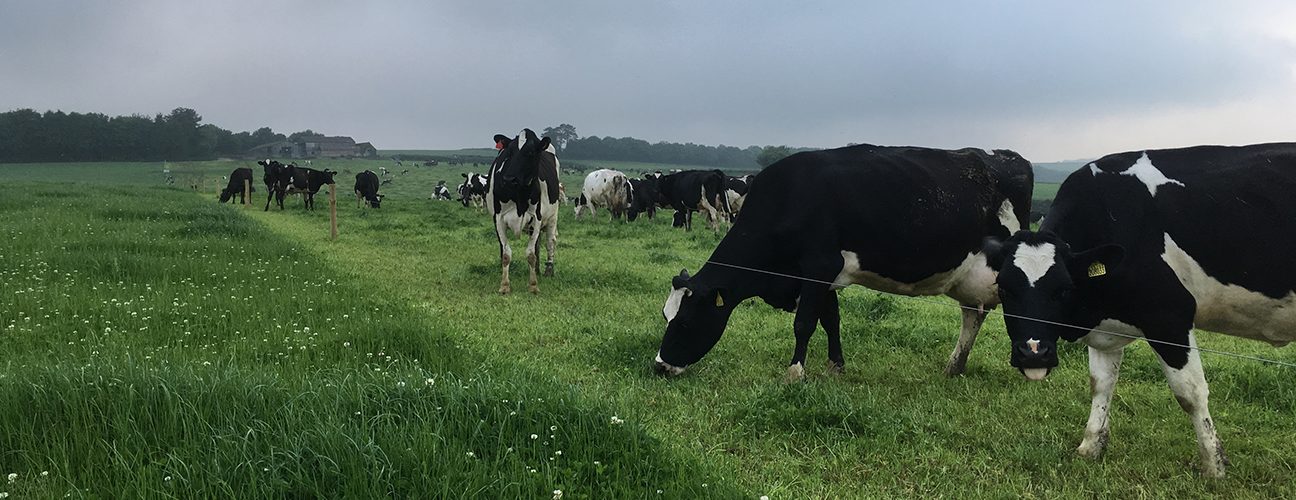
(830, 319)
(812, 300)
(973, 317)
(1188, 382)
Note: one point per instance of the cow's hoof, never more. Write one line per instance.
(549, 270)
(1092, 450)
(1213, 472)
(795, 373)
(955, 369)
(505, 289)
(533, 289)
(836, 368)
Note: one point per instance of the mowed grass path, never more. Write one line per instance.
(891, 426)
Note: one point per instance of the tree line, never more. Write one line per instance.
(572, 146)
(30, 136)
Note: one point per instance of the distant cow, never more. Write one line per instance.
(1154, 244)
(440, 191)
(235, 186)
(473, 190)
(523, 194)
(902, 220)
(644, 197)
(694, 190)
(605, 188)
(277, 179)
(313, 181)
(736, 192)
(283, 180)
(366, 189)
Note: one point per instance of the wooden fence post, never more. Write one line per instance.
(332, 211)
(247, 193)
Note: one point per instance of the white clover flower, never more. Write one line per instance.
(471, 454)
(559, 453)
(764, 497)
(553, 427)
(4, 494)
(533, 437)
(168, 478)
(44, 473)
(557, 494)
(13, 476)
(400, 384)
(429, 382)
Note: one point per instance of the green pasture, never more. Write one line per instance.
(158, 344)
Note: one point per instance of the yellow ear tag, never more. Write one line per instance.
(719, 300)
(1097, 269)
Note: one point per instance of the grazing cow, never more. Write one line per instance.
(523, 193)
(473, 190)
(440, 192)
(235, 186)
(308, 181)
(693, 190)
(1152, 244)
(736, 192)
(605, 188)
(645, 197)
(366, 189)
(903, 220)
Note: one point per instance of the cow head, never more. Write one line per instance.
(518, 165)
(1044, 287)
(225, 195)
(328, 176)
(696, 315)
(465, 190)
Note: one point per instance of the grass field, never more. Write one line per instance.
(161, 345)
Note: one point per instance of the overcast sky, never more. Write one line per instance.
(1051, 80)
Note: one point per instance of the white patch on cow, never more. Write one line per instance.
(521, 139)
(1034, 260)
(1232, 309)
(1007, 217)
(1035, 374)
(672, 306)
(1121, 335)
(795, 373)
(672, 369)
(1093, 168)
(971, 282)
(1149, 175)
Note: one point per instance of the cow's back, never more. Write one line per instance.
(908, 213)
(1222, 219)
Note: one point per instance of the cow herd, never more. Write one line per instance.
(1144, 244)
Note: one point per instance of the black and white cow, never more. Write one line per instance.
(605, 188)
(308, 181)
(1152, 244)
(736, 192)
(903, 220)
(366, 189)
(235, 185)
(473, 190)
(694, 190)
(644, 197)
(278, 178)
(440, 191)
(523, 195)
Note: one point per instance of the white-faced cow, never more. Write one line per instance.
(903, 220)
(235, 185)
(523, 194)
(1152, 244)
(366, 189)
(473, 190)
(605, 188)
(694, 190)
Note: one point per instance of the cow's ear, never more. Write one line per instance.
(1096, 264)
(992, 248)
(465, 175)
(544, 144)
(680, 281)
(502, 141)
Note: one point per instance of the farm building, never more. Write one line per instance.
(315, 147)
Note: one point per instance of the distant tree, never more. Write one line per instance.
(303, 135)
(771, 154)
(264, 135)
(560, 135)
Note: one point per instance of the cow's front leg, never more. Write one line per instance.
(1183, 370)
(803, 327)
(1104, 369)
(973, 317)
(830, 319)
(551, 245)
(533, 256)
(506, 256)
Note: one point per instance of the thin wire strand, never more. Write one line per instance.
(1015, 316)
